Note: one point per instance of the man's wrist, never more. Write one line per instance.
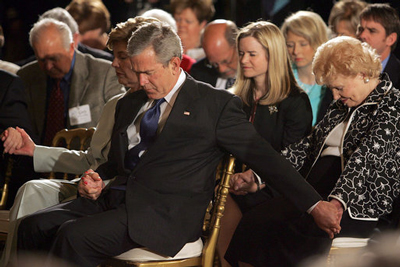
(258, 181)
(312, 207)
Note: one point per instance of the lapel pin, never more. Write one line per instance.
(187, 113)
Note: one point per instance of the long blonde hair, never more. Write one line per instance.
(280, 79)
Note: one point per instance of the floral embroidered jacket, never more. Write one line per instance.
(370, 152)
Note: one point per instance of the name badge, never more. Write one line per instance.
(79, 115)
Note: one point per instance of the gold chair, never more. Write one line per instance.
(211, 228)
(73, 139)
(78, 139)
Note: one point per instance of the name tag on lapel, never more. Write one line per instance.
(79, 115)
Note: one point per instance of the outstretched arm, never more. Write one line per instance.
(327, 215)
(18, 142)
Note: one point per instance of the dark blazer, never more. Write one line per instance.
(393, 70)
(14, 112)
(284, 123)
(170, 188)
(97, 53)
(13, 107)
(201, 72)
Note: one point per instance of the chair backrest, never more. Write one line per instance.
(77, 139)
(215, 211)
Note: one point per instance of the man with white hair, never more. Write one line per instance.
(64, 88)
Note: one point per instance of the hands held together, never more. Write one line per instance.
(17, 141)
(327, 215)
(244, 182)
(90, 185)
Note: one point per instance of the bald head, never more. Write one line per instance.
(219, 46)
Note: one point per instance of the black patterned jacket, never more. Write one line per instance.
(370, 149)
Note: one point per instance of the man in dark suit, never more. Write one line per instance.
(13, 112)
(219, 66)
(163, 185)
(380, 28)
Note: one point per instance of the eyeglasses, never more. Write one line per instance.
(215, 65)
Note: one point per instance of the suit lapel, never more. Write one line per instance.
(126, 110)
(79, 81)
(187, 94)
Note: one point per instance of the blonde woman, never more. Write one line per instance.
(304, 31)
(278, 108)
(273, 101)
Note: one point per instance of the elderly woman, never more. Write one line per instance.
(304, 32)
(351, 158)
(191, 17)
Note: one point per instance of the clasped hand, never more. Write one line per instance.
(243, 183)
(90, 185)
(18, 142)
(327, 215)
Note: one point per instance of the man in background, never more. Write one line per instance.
(64, 88)
(219, 66)
(380, 28)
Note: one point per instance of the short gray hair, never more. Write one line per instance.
(47, 23)
(162, 16)
(61, 14)
(161, 37)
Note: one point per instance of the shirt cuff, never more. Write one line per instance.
(258, 181)
(312, 208)
(340, 200)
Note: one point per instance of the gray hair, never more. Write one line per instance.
(161, 15)
(60, 14)
(47, 23)
(161, 37)
(231, 33)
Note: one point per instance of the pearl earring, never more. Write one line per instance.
(366, 80)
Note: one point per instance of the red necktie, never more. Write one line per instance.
(55, 113)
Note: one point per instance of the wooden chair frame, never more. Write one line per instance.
(68, 135)
(84, 136)
(211, 227)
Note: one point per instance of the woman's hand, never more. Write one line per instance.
(90, 185)
(243, 183)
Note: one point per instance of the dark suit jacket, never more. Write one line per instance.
(13, 107)
(170, 188)
(201, 72)
(393, 70)
(14, 112)
(97, 53)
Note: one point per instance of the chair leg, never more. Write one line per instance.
(229, 222)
